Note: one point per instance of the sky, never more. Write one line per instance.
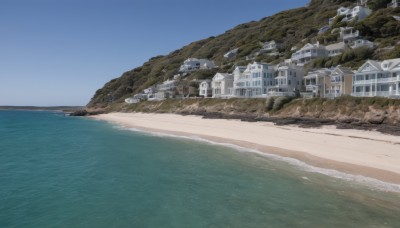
(59, 52)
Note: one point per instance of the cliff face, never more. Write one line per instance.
(291, 28)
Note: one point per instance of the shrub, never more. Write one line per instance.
(269, 103)
(280, 102)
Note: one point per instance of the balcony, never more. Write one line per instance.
(375, 94)
(312, 88)
(379, 80)
(351, 35)
(304, 54)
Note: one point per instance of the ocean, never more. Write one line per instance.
(60, 171)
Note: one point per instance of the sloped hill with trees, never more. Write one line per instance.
(294, 27)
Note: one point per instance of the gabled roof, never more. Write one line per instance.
(374, 64)
(309, 46)
(392, 63)
(221, 76)
(336, 46)
(318, 73)
(342, 70)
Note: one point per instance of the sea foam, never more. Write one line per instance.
(372, 183)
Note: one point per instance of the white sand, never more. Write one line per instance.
(355, 151)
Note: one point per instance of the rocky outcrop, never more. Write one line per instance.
(379, 114)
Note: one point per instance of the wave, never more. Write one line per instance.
(373, 183)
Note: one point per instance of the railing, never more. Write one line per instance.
(307, 94)
(375, 94)
(304, 55)
(351, 35)
(379, 80)
(280, 94)
(311, 87)
(362, 94)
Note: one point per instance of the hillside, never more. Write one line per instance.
(291, 28)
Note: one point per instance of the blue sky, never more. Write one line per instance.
(61, 52)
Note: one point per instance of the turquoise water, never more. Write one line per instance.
(58, 171)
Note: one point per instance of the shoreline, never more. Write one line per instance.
(353, 152)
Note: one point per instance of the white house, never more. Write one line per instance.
(349, 34)
(394, 4)
(336, 49)
(356, 13)
(375, 78)
(289, 80)
(166, 90)
(149, 90)
(222, 85)
(205, 89)
(253, 80)
(231, 54)
(309, 52)
(314, 82)
(362, 43)
(339, 82)
(193, 64)
(270, 46)
(136, 98)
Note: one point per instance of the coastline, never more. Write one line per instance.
(356, 152)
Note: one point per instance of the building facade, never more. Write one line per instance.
(222, 85)
(205, 89)
(253, 80)
(356, 13)
(339, 82)
(270, 46)
(375, 78)
(309, 52)
(289, 80)
(193, 64)
(336, 49)
(362, 43)
(314, 83)
(349, 34)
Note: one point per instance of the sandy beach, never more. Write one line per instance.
(365, 153)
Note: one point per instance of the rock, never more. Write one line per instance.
(79, 113)
(375, 117)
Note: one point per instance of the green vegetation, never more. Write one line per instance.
(291, 28)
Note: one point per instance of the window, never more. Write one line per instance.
(289, 82)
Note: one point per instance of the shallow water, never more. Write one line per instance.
(58, 171)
